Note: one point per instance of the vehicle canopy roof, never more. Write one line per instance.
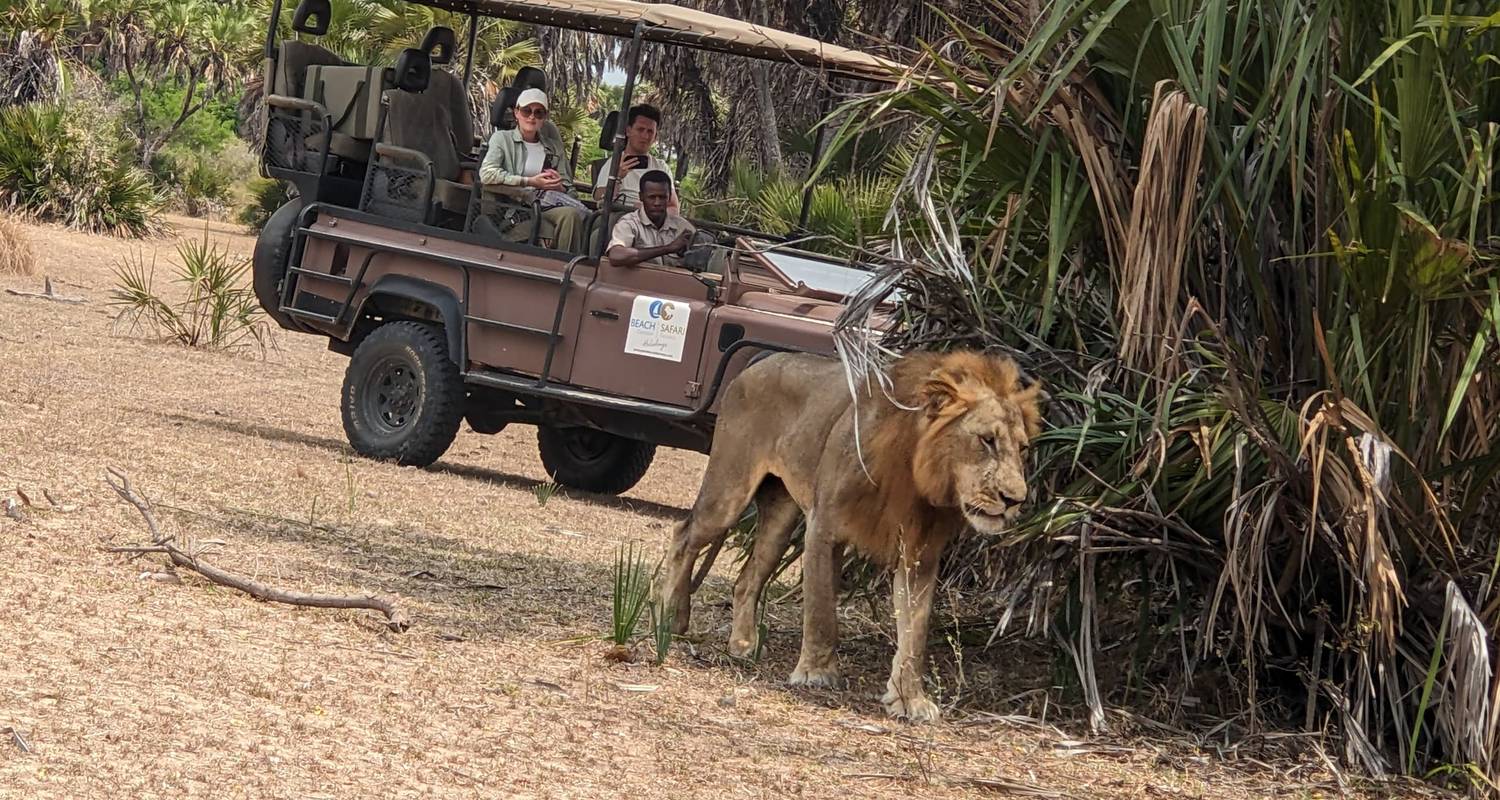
(678, 25)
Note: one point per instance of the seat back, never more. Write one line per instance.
(352, 96)
(292, 62)
(421, 122)
(440, 44)
(503, 108)
(448, 91)
(606, 143)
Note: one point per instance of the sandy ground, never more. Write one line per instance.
(117, 685)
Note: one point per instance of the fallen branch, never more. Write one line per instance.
(47, 293)
(20, 740)
(120, 483)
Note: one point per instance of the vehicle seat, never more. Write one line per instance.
(503, 108)
(417, 168)
(292, 62)
(352, 96)
(421, 122)
(441, 43)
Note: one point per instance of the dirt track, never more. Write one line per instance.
(130, 687)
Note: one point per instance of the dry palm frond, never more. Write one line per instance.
(1463, 713)
(1158, 237)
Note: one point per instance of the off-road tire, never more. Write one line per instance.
(273, 251)
(403, 398)
(594, 461)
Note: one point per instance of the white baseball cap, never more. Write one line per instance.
(532, 97)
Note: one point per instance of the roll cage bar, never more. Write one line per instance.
(654, 22)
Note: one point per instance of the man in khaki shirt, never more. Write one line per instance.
(653, 233)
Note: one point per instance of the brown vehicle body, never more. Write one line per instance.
(548, 335)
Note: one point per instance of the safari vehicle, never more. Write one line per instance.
(385, 251)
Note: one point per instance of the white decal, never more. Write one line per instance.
(658, 328)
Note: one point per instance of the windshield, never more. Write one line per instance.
(817, 274)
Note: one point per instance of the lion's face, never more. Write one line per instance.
(977, 428)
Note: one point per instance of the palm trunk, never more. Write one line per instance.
(770, 133)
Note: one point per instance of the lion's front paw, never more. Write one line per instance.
(815, 676)
(916, 707)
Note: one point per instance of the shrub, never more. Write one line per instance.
(16, 255)
(55, 169)
(204, 182)
(265, 196)
(219, 312)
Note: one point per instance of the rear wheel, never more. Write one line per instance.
(594, 461)
(403, 398)
(273, 251)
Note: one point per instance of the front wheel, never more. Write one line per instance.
(403, 398)
(594, 461)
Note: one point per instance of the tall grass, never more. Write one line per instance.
(16, 255)
(1250, 246)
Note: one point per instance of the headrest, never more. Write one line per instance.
(413, 70)
(530, 78)
(307, 10)
(503, 108)
(607, 131)
(440, 44)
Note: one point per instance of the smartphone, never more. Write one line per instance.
(637, 161)
(549, 162)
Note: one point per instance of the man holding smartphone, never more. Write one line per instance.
(640, 134)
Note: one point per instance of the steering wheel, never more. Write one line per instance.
(700, 251)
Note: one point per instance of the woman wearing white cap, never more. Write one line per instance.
(523, 157)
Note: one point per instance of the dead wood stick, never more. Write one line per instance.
(20, 740)
(47, 293)
(120, 483)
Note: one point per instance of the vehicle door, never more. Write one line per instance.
(642, 333)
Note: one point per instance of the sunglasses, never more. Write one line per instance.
(538, 112)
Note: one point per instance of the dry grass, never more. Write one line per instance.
(129, 687)
(16, 254)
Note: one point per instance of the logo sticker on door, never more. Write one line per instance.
(658, 328)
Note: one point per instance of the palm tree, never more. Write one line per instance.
(34, 34)
(208, 48)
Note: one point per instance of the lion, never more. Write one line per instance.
(896, 476)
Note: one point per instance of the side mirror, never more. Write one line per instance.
(312, 17)
(440, 44)
(413, 70)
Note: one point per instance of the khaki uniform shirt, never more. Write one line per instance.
(636, 230)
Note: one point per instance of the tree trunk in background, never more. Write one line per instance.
(769, 137)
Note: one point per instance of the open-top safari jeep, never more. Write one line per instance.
(386, 252)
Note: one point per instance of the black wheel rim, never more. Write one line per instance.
(391, 396)
(586, 445)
